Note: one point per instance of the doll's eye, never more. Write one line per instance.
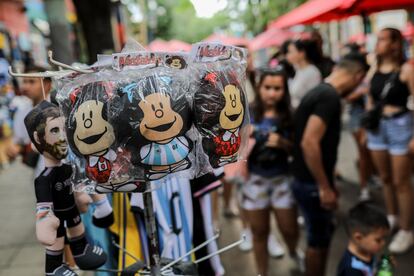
(153, 107)
(54, 130)
(161, 106)
(83, 116)
(90, 113)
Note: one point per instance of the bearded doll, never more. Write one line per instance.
(56, 213)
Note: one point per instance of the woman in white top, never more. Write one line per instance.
(303, 54)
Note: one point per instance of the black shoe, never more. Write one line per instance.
(104, 222)
(92, 257)
(62, 270)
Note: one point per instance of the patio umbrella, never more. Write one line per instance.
(229, 40)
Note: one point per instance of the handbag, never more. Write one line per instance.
(370, 120)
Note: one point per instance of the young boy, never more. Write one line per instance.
(367, 228)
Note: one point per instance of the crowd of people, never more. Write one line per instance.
(296, 115)
(296, 108)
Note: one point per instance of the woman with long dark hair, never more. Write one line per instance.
(389, 142)
(303, 55)
(268, 187)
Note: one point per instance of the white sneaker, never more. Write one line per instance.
(299, 259)
(401, 242)
(393, 222)
(247, 245)
(301, 221)
(364, 195)
(274, 248)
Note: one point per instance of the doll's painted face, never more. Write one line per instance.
(93, 134)
(160, 122)
(231, 117)
(176, 62)
(51, 138)
(55, 138)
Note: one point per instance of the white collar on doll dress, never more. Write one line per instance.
(109, 155)
(228, 134)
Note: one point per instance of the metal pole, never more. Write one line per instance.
(152, 234)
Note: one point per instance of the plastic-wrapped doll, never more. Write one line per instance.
(219, 105)
(90, 131)
(56, 211)
(92, 136)
(161, 121)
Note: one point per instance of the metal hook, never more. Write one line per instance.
(55, 62)
(228, 247)
(125, 251)
(39, 75)
(43, 89)
(215, 237)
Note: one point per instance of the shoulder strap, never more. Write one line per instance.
(389, 84)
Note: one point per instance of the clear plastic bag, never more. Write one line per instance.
(92, 108)
(154, 90)
(220, 103)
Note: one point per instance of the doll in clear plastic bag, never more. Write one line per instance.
(56, 212)
(161, 120)
(92, 135)
(219, 111)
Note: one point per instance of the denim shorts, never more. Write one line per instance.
(318, 221)
(355, 114)
(394, 134)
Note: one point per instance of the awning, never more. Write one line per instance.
(269, 38)
(370, 6)
(327, 10)
(313, 11)
(228, 40)
(169, 46)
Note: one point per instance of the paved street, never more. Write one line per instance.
(21, 255)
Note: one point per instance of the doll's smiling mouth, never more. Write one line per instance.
(93, 139)
(164, 127)
(233, 117)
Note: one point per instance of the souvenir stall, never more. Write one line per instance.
(134, 129)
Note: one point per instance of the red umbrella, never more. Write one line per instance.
(269, 38)
(369, 6)
(229, 40)
(178, 45)
(158, 45)
(169, 46)
(327, 10)
(312, 11)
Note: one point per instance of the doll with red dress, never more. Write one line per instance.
(219, 111)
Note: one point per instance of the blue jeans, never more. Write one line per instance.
(393, 135)
(318, 221)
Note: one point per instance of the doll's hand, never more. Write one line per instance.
(46, 225)
(82, 201)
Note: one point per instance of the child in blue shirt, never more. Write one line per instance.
(367, 228)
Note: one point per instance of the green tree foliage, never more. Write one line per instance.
(260, 13)
(178, 19)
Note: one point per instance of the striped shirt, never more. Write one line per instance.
(155, 154)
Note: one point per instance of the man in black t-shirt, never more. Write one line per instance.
(317, 131)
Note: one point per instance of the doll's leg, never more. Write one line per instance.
(87, 256)
(54, 265)
(103, 215)
(46, 224)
